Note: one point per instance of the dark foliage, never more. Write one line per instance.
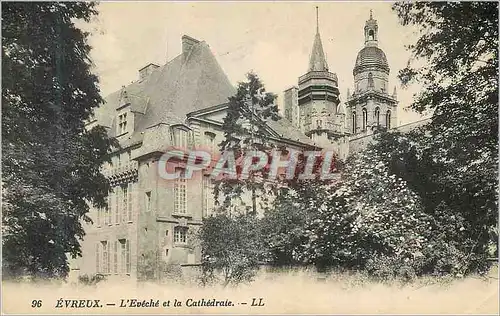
(50, 162)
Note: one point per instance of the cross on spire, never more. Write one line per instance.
(318, 60)
(317, 20)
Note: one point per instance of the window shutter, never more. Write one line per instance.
(124, 201)
(123, 255)
(117, 205)
(105, 257)
(130, 200)
(110, 209)
(128, 255)
(115, 257)
(97, 259)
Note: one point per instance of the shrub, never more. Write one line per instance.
(231, 248)
(91, 280)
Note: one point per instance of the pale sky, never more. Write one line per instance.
(274, 39)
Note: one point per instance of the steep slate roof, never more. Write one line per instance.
(286, 130)
(187, 83)
(190, 82)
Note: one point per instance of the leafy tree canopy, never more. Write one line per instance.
(50, 160)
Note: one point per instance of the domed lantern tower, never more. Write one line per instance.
(371, 107)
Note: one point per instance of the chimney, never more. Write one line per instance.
(145, 71)
(187, 44)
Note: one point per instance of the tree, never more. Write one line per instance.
(283, 227)
(459, 43)
(231, 241)
(50, 161)
(381, 217)
(245, 130)
(231, 246)
(370, 220)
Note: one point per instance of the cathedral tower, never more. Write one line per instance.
(371, 106)
(320, 117)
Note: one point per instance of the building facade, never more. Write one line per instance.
(150, 221)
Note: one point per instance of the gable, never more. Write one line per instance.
(281, 129)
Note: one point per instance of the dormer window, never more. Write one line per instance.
(181, 138)
(210, 140)
(122, 123)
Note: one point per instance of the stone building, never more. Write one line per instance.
(182, 104)
(315, 107)
(150, 220)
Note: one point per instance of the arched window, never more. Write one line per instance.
(365, 119)
(353, 122)
(377, 116)
(371, 35)
(388, 119)
(371, 84)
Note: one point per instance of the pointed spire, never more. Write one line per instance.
(317, 20)
(318, 60)
(371, 14)
(394, 93)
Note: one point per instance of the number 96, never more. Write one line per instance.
(36, 303)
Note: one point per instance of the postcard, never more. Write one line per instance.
(201, 157)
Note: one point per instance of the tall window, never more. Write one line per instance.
(371, 35)
(105, 257)
(115, 257)
(122, 123)
(125, 255)
(181, 138)
(107, 216)
(365, 119)
(130, 191)
(180, 195)
(148, 201)
(354, 122)
(180, 234)
(377, 116)
(388, 119)
(117, 204)
(124, 202)
(210, 140)
(208, 199)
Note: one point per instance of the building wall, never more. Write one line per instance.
(380, 80)
(291, 106)
(360, 141)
